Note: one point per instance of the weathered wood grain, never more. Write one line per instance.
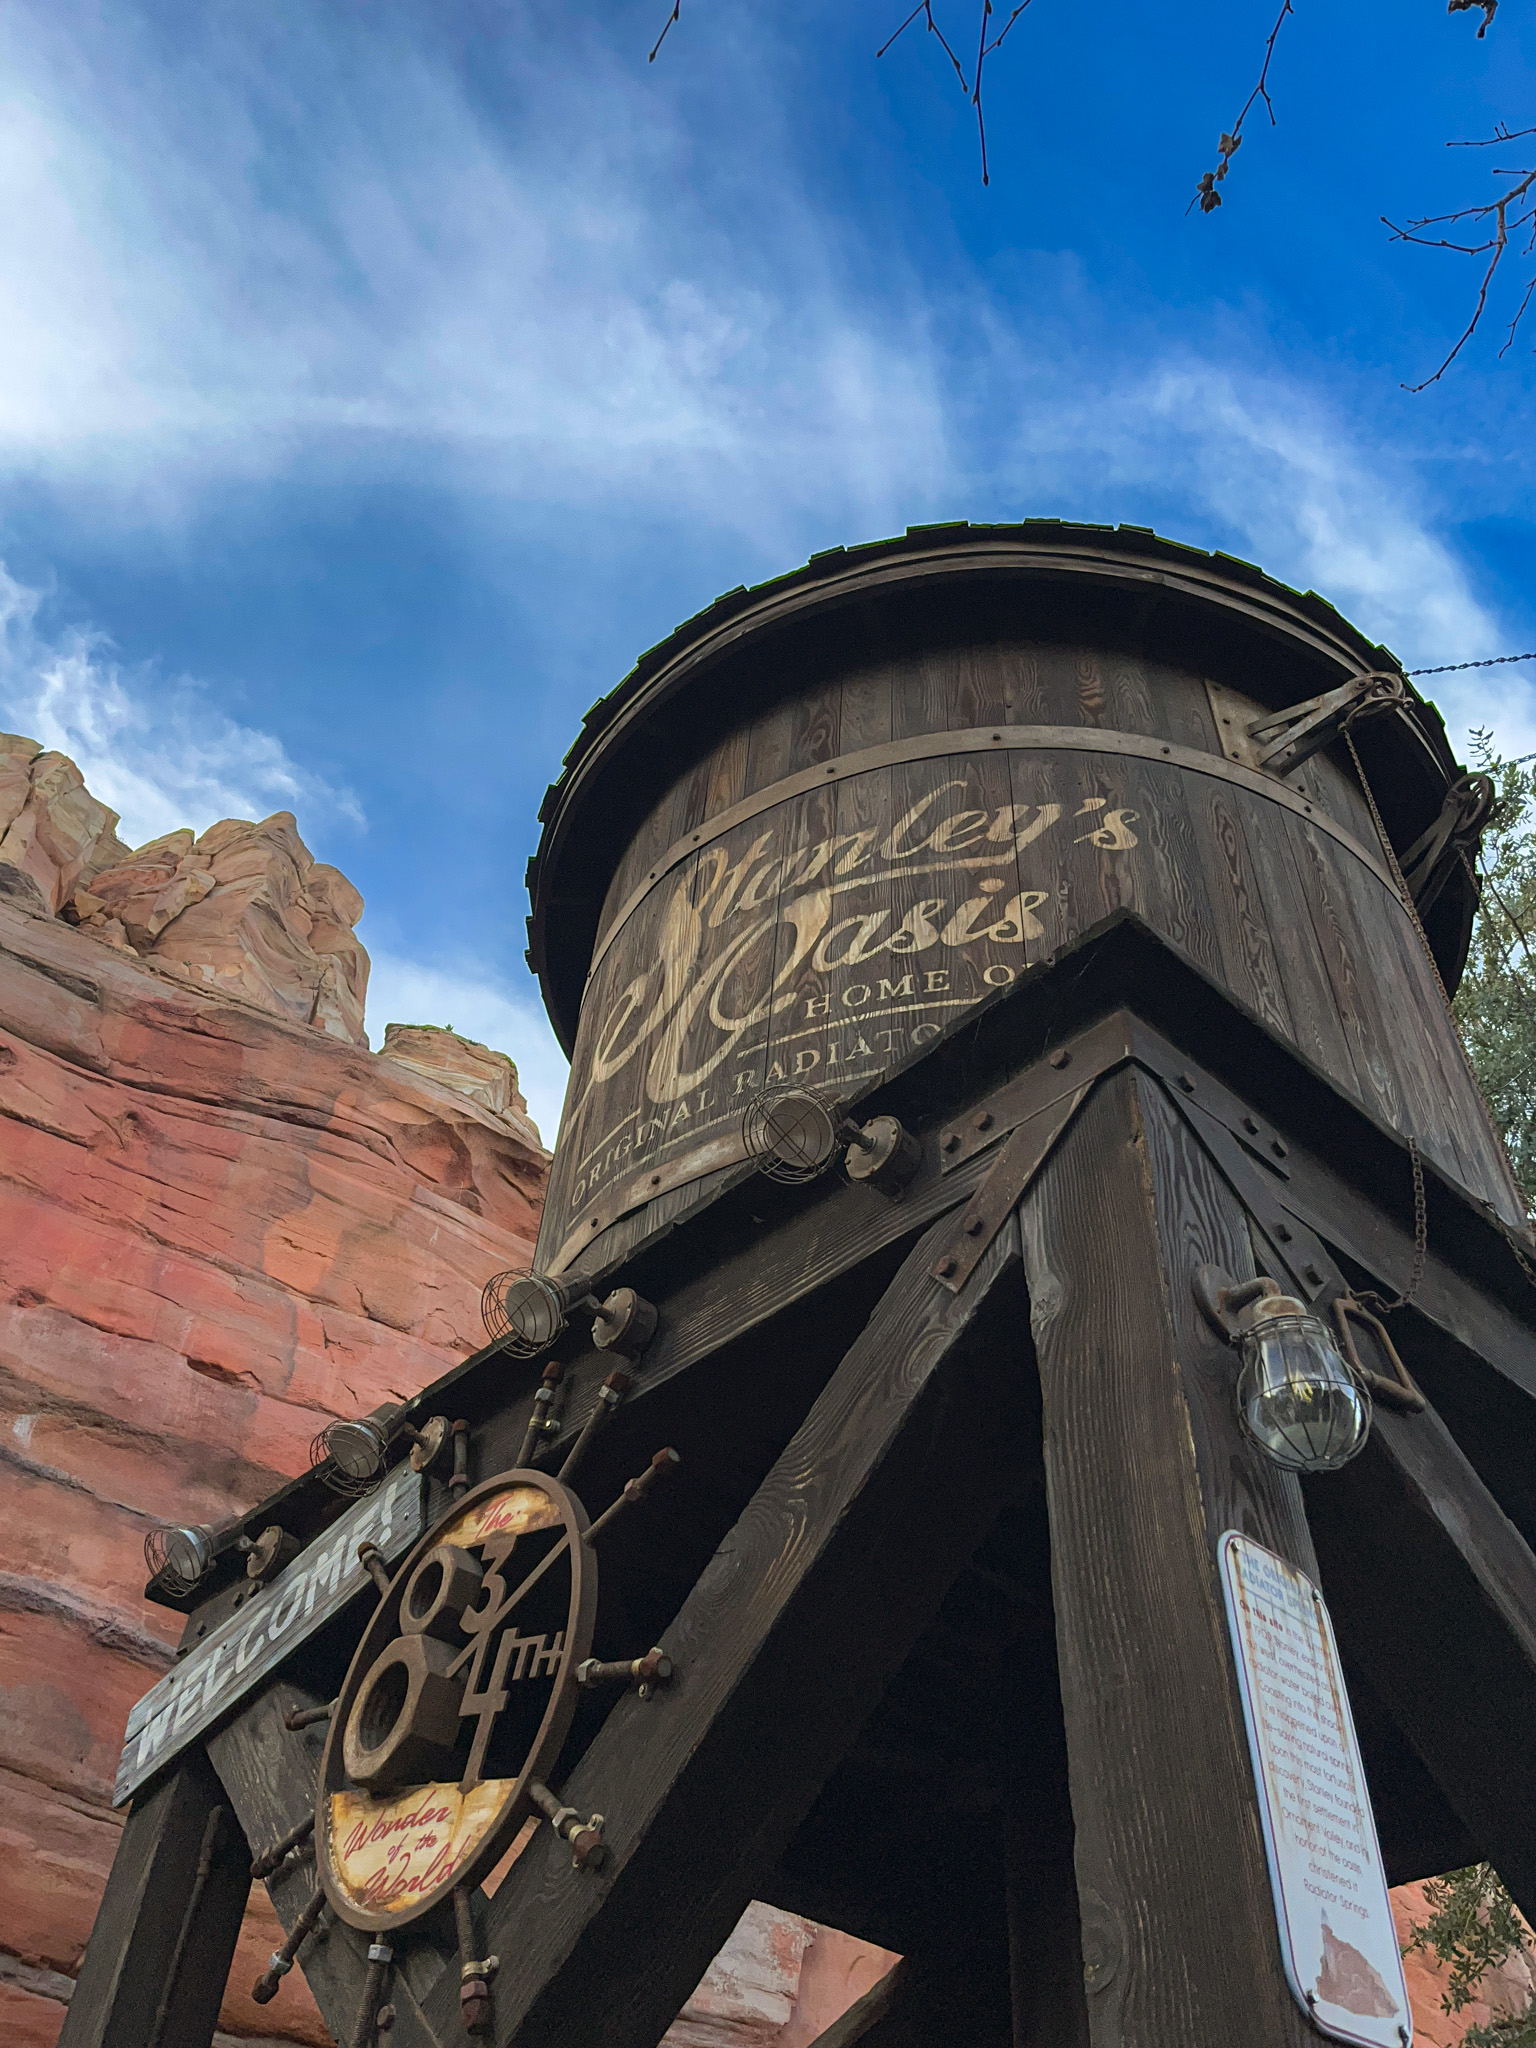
(1146, 1468)
(1433, 1591)
(268, 1775)
(781, 1651)
(117, 1996)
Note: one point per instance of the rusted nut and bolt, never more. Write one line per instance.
(976, 1226)
(950, 1142)
(982, 1121)
(1060, 1057)
(588, 1849)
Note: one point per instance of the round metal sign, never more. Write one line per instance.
(457, 1701)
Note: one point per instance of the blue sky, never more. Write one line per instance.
(376, 379)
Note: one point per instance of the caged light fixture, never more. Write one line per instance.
(793, 1135)
(1297, 1396)
(180, 1557)
(526, 1312)
(350, 1454)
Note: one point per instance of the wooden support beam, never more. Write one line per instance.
(268, 1773)
(1146, 1468)
(1433, 1593)
(812, 1601)
(159, 1953)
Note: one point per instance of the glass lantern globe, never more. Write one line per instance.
(1296, 1395)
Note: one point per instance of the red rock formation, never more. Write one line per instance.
(219, 1226)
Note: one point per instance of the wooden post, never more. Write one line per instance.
(1145, 1469)
(811, 1603)
(159, 1953)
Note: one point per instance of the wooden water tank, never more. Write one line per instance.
(830, 815)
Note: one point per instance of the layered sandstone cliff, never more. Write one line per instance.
(222, 1221)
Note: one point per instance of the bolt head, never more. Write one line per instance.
(982, 1121)
(1060, 1057)
(945, 1267)
(950, 1142)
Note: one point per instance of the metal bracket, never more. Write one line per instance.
(1276, 742)
(1003, 1189)
(1451, 841)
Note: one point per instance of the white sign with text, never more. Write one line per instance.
(1336, 1933)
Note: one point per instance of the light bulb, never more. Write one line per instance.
(357, 1448)
(1296, 1396)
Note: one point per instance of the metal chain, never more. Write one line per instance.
(1451, 668)
(1368, 1295)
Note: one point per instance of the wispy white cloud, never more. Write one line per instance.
(1261, 464)
(152, 746)
(223, 255)
(462, 997)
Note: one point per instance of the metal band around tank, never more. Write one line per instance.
(979, 739)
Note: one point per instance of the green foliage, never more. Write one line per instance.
(1514, 2033)
(1473, 1925)
(1496, 1003)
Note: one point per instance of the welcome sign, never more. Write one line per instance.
(250, 1643)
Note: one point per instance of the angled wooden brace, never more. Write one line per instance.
(814, 1598)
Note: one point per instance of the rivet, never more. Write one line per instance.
(950, 1142)
(1167, 750)
(1060, 1057)
(1186, 1082)
(944, 1268)
(982, 1121)
(1283, 1232)
(655, 1180)
(976, 1226)
(1312, 1274)
(1277, 1148)
(1250, 1127)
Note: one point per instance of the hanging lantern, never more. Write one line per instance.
(1297, 1397)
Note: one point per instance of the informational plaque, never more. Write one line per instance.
(1336, 1933)
(217, 1673)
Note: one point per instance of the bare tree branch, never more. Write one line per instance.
(984, 49)
(1207, 198)
(677, 10)
(1487, 233)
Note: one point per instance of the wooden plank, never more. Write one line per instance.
(139, 1924)
(781, 1650)
(269, 1775)
(1433, 1591)
(1146, 1468)
(738, 1285)
(1317, 1028)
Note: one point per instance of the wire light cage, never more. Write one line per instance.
(349, 1456)
(178, 1557)
(791, 1134)
(523, 1312)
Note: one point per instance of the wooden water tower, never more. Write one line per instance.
(1017, 1141)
